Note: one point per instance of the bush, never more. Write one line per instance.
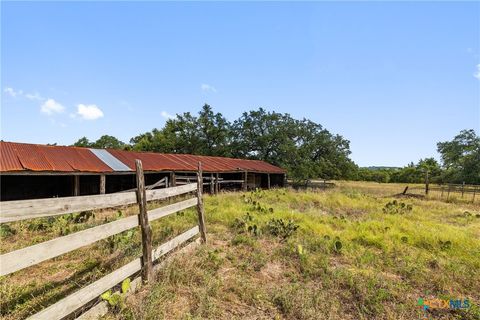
(246, 225)
(6, 230)
(280, 228)
(395, 207)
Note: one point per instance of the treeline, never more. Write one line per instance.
(304, 148)
(460, 163)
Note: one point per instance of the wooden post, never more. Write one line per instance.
(474, 190)
(405, 190)
(426, 182)
(268, 180)
(463, 188)
(448, 191)
(217, 184)
(147, 264)
(76, 185)
(102, 184)
(441, 195)
(245, 180)
(173, 181)
(200, 212)
(212, 184)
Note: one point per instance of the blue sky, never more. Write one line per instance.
(393, 78)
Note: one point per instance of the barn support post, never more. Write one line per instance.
(217, 185)
(245, 180)
(268, 180)
(172, 179)
(76, 185)
(200, 210)
(102, 183)
(147, 264)
(212, 184)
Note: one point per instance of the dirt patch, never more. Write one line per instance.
(272, 271)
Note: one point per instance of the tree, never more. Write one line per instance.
(214, 132)
(461, 157)
(303, 147)
(83, 142)
(104, 142)
(108, 142)
(207, 134)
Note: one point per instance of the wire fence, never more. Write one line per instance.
(465, 192)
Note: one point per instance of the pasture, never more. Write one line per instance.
(351, 252)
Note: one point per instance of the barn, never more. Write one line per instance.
(31, 171)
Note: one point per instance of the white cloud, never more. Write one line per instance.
(89, 112)
(167, 115)
(12, 92)
(206, 88)
(34, 97)
(51, 106)
(477, 74)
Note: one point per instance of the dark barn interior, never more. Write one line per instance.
(37, 186)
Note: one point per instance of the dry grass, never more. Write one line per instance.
(385, 263)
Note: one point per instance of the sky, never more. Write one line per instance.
(394, 78)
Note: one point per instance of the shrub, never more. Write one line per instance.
(246, 224)
(280, 228)
(6, 230)
(395, 207)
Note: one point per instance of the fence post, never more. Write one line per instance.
(147, 264)
(463, 188)
(426, 182)
(200, 211)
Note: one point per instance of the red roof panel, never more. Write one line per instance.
(35, 157)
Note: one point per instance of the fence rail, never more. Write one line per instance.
(32, 255)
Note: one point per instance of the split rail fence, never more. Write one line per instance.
(28, 209)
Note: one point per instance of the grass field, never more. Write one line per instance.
(278, 254)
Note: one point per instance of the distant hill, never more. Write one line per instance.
(373, 168)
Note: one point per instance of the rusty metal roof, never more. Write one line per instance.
(34, 157)
(18, 157)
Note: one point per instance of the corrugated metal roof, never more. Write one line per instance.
(33, 157)
(110, 160)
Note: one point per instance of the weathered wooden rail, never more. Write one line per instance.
(28, 209)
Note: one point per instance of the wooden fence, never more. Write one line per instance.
(29, 256)
(314, 184)
(467, 192)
